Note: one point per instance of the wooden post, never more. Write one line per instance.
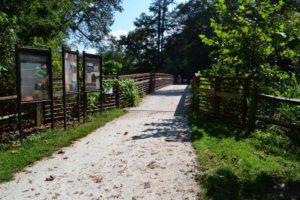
(244, 102)
(117, 94)
(196, 93)
(216, 98)
(253, 110)
(39, 114)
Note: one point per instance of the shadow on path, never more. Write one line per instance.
(175, 129)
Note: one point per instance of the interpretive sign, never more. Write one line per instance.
(34, 72)
(92, 73)
(34, 80)
(71, 82)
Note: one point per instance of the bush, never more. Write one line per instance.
(112, 67)
(130, 92)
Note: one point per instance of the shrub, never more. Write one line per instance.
(130, 92)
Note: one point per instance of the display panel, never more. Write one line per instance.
(71, 82)
(34, 72)
(92, 73)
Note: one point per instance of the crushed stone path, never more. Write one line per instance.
(145, 154)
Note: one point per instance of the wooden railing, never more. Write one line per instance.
(271, 101)
(226, 99)
(222, 98)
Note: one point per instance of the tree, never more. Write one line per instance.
(49, 23)
(161, 15)
(145, 44)
(140, 44)
(252, 36)
(112, 67)
(184, 54)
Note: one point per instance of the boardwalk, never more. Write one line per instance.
(145, 154)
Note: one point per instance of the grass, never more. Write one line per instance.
(41, 145)
(265, 165)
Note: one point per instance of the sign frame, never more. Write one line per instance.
(35, 51)
(85, 56)
(65, 93)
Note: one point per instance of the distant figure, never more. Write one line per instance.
(178, 79)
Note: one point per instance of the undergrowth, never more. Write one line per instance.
(265, 165)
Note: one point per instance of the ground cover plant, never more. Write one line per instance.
(14, 158)
(265, 165)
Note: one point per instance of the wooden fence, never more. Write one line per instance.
(39, 116)
(271, 110)
(222, 98)
(232, 99)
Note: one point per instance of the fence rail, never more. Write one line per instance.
(273, 100)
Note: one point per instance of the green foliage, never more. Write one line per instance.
(145, 44)
(112, 67)
(41, 145)
(49, 23)
(184, 54)
(129, 91)
(93, 100)
(263, 166)
(252, 35)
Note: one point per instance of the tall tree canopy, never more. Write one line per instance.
(167, 40)
(252, 37)
(49, 23)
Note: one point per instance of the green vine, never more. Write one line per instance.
(130, 92)
(127, 87)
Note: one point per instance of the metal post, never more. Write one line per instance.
(83, 89)
(64, 87)
(78, 90)
(101, 84)
(51, 88)
(18, 78)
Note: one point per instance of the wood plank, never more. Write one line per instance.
(8, 98)
(279, 99)
(278, 122)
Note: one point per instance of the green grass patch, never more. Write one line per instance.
(41, 145)
(265, 165)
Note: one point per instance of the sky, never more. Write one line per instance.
(132, 10)
(124, 20)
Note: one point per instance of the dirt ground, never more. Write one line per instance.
(145, 154)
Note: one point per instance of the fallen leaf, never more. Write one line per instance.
(152, 165)
(147, 185)
(50, 178)
(97, 179)
(60, 152)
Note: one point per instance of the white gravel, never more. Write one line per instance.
(145, 154)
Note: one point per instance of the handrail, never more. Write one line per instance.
(279, 99)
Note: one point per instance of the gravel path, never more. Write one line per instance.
(145, 154)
